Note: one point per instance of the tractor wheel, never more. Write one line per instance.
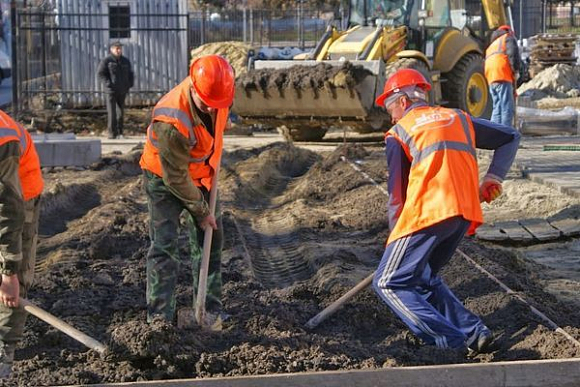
(466, 88)
(411, 63)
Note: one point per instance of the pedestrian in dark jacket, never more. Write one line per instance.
(117, 75)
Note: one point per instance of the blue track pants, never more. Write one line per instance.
(408, 282)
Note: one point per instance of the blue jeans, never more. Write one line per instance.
(502, 97)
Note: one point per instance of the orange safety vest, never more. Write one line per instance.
(443, 180)
(205, 150)
(29, 169)
(497, 63)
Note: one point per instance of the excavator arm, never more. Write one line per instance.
(496, 12)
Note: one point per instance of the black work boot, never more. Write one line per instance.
(481, 343)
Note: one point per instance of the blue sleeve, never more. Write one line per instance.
(399, 167)
(504, 140)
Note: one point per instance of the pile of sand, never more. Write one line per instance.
(559, 81)
(235, 52)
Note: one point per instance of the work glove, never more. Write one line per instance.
(490, 189)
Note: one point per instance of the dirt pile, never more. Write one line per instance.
(235, 52)
(559, 81)
(300, 230)
(321, 76)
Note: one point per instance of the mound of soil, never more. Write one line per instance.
(299, 77)
(301, 229)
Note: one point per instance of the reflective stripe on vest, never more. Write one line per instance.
(192, 143)
(501, 47)
(420, 155)
(10, 132)
(181, 116)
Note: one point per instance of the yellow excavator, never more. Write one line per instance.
(444, 39)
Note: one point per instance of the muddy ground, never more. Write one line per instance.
(301, 229)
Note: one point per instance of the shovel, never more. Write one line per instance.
(332, 308)
(200, 315)
(62, 326)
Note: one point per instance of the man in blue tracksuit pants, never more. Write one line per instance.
(434, 199)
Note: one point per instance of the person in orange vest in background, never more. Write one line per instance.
(502, 68)
(20, 188)
(434, 199)
(183, 147)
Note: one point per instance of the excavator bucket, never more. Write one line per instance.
(310, 93)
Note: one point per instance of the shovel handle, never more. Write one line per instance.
(62, 326)
(204, 267)
(330, 309)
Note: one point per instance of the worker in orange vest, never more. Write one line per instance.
(502, 66)
(434, 199)
(182, 150)
(20, 188)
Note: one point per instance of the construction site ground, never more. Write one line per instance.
(302, 226)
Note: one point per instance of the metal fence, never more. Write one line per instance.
(563, 17)
(296, 27)
(58, 49)
(532, 17)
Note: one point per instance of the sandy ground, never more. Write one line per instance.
(302, 227)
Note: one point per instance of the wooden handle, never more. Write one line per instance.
(62, 326)
(330, 309)
(203, 270)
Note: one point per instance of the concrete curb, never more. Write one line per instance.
(532, 373)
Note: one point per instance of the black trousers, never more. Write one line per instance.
(115, 112)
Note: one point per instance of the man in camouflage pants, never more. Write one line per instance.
(21, 185)
(179, 162)
(163, 258)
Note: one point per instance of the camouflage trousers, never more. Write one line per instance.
(163, 261)
(12, 320)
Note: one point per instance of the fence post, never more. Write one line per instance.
(202, 35)
(15, 83)
(262, 27)
(521, 5)
(543, 16)
(298, 23)
(251, 26)
(244, 22)
(301, 21)
(43, 35)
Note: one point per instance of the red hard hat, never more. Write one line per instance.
(213, 81)
(505, 27)
(403, 78)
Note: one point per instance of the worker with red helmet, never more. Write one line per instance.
(434, 199)
(502, 68)
(181, 154)
(20, 187)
